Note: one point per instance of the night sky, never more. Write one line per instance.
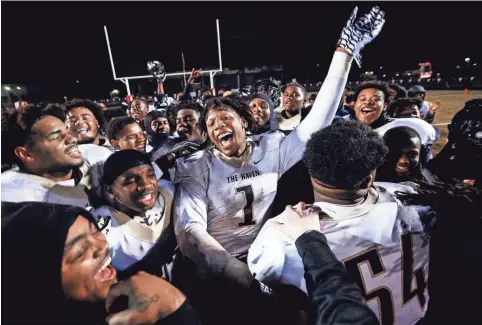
(54, 44)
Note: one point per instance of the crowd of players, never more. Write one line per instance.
(257, 207)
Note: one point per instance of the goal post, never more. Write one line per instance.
(125, 80)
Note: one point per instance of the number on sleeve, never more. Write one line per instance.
(248, 208)
(383, 294)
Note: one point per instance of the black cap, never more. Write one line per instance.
(121, 161)
(33, 240)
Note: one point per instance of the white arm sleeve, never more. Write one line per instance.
(322, 113)
(190, 226)
(266, 256)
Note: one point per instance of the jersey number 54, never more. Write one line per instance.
(383, 293)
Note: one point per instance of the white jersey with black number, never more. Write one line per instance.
(380, 241)
(235, 201)
(220, 208)
(131, 238)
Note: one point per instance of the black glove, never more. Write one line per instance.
(184, 148)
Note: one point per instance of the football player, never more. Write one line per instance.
(225, 193)
(371, 102)
(403, 159)
(85, 121)
(261, 108)
(428, 109)
(138, 109)
(51, 165)
(381, 242)
(294, 98)
(138, 212)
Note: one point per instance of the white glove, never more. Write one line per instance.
(356, 35)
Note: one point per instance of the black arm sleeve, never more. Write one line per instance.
(337, 299)
(429, 117)
(184, 315)
(186, 92)
(165, 164)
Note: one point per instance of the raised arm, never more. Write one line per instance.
(188, 88)
(355, 35)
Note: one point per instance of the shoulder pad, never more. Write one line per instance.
(192, 166)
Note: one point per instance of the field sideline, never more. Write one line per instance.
(452, 102)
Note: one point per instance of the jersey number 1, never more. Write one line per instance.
(248, 208)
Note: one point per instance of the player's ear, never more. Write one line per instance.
(244, 123)
(23, 153)
(385, 105)
(108, 192)
(115, 144)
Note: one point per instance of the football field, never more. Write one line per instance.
(452, 102)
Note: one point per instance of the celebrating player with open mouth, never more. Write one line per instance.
(225, 193)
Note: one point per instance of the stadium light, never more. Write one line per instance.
(381, 68)
(474, 64)
(467, 60)
(7, 88)
(77, 81)
(19, 88)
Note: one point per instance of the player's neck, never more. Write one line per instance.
(128, 212)
(337, 196)
(56, 176)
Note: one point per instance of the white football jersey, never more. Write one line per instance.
(424, 110)
(287, 124)
(131, 238)
(20, 187)
(93, 167)
(380, 241)
(425, 130)
(233, 203)
(220, 207)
